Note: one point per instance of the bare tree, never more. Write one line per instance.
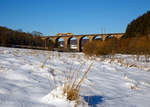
(36, 33)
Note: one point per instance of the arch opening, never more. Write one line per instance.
(97, 38)
(60, 43)
(109, 37)
(83, 40)
(49, 44)
(73, 43)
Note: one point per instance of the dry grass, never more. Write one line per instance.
(42, 66)
(134, 87)
(2, 69)
(73, 55)
(103, 59)
(112, 60)
(16, 52)
(71, 81)
(72, 87)
(148, 70)
(127, 64)
(120, 60)
(133, 65)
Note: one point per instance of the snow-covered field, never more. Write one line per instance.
(27, 79)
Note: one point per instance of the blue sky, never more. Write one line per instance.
(76, 16)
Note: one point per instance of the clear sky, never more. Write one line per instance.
(76, 16)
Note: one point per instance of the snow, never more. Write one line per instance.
(57, 97)
(27, 79)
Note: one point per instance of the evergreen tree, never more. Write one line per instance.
(139, 26)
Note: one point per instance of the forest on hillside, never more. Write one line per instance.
(139, 27)
(17, 38)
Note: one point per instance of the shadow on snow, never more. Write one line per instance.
(93, 100)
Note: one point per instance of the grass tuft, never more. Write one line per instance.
(72, 86)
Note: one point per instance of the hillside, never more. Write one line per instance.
(14, 38)
(139, 27)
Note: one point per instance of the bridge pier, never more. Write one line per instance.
(104, 37)
(79, 44)
(66, 42)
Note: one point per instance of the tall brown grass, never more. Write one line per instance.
(72, 86)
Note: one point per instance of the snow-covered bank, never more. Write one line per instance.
(26, 78)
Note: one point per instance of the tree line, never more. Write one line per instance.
(18, 38)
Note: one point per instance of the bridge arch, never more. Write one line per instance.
(97, 38)
(82, 41)
(108, 37)
(72, 42)
(49, 44)
(59, 42)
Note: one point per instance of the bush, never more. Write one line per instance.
(101, 47)
(134, 45)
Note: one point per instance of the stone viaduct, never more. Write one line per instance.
(79, 38)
